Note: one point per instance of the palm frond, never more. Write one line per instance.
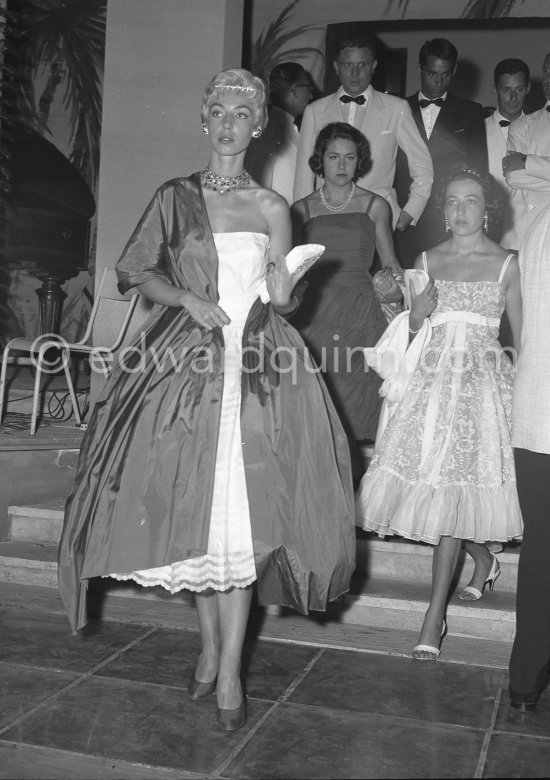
(270, 46)
(489, 9)
(402, 7)
(70, 33)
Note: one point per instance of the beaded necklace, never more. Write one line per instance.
(343, 205)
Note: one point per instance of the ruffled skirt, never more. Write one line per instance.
(444, 465)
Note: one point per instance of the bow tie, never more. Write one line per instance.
(360, 99)
(504, 122)
(425, 103)
(548, 108)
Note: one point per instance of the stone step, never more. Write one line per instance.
(35, 563)
(289, 628)
(398, 604)
(39, 523)
(29, 563)
(400, 559)
(377, 602)
(390, 558)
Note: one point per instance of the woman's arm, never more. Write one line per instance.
(278, 280)
(513, 302)
(298, 220)
(381, 216)
(206, 313)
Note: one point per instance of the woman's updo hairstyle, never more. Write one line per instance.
(493, 198)
(336, 130)
(240, 82)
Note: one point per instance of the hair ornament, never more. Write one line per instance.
(234, 86)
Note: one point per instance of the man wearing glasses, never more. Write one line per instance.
(271, 159)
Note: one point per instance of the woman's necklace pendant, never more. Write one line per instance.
(343, 205)
(222, 184)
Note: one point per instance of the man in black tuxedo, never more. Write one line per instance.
(453, 129)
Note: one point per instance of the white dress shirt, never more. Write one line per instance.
(352, 109)
(430, 113)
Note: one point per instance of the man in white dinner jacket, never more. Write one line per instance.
(387, 123)
(512, 85)
(527, 163)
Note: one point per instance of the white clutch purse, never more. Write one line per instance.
(417, 279)
(300, 258)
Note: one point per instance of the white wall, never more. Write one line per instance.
(160, 54)
(482, 50)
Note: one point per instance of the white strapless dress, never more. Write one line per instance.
(229, 560)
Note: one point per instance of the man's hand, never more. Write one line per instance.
(404, 221)
(515, 161)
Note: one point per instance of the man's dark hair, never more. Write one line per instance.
(282, 78)
(440, 48)
(510, 67)
(358, 41)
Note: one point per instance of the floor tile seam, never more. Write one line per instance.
(374, 651)
(21, 666)
(509, 733)
(165, 686)
(379, 715)
(300, 677)
(72, 684)
(282, 699)
(482, 760)
(218, 772)
(184, 774)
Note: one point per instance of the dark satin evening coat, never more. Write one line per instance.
(144, 482)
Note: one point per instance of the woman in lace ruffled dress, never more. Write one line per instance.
(214, 459)
(443, 468)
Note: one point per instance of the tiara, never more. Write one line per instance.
(234, 86)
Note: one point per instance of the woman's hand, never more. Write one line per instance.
(207, 314)
(386, 287)
(280, 283)
(422, 305)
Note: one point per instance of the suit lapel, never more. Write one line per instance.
(447, 117)
(372, 114)
(417, 116)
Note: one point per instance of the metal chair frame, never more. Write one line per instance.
(37, 348)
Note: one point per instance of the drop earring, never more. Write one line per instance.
(447, 226)
(204, 128)
(257, 133)
(486, 222)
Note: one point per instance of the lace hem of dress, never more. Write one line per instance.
(197, 574)
(387, 505)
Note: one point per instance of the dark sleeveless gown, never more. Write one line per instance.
(339, 314)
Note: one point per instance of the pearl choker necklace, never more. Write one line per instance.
(343, 205)
(223, 184)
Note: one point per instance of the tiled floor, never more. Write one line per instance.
(112, 703)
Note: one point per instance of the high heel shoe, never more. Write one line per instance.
(198, 690)
(474, 594)
(435, 652)
(231, 720)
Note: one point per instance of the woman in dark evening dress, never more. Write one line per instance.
(220, 461)
(339, 313)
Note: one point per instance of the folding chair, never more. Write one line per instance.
(109, 303)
